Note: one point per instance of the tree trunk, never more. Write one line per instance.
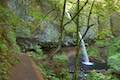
(61, 29)
(75, 77)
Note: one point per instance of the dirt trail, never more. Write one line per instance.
(25, 70)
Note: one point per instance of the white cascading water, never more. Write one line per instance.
(83, 48)
(68, 14)
(84, 52)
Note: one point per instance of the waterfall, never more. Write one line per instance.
(84, 52)
(86, 60)
(68, 15)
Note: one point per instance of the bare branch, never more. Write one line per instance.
(48, 13)
(61, 29)
(57, 14)
(88, 26)
(62, 20)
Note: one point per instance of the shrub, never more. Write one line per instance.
(114, 46)
(7, 50)
(60, 58)
(7, 59)
(114, 62)
(104, 33)
(38, 53)
(99, 76)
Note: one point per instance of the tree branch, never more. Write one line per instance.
(61, 29)
(76, 13)
(57, 14)
(48, 13)
(89, 16)
(75, 76)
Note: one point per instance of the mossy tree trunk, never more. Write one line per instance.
(78, 45)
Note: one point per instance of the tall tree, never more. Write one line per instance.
(79, 40)
(78, 45)
(61, 28)
(61, 24)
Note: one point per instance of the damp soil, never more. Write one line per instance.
(26, 69)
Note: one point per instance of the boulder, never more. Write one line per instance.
(69, 41)
(47, 32)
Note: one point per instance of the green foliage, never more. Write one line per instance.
(7, 59)
(70, 28)
(55, 69)
(38, 53)
(14, 20)
(65, 74)
(114, 46)
(36, 14)
(114, 62)
(55, 78)
(23, 31)
(6, 16)
(16, 49)
(8, 48)
(56, 4)
(11, 36)
(99, 76)
(102, 43)
(60, 58)
(104, 33)
(49, 72)
(3, 47)
(111, 6)
(93, 52)
(38, 50)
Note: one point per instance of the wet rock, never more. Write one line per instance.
(47, 36)
(68, 41)
(27, 43)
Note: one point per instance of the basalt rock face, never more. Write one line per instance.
(46, 35)
(20, 7)
(47, 32)
(115, 24)
(27, 43)
(69, 41)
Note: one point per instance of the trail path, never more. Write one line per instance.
(25, 70)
